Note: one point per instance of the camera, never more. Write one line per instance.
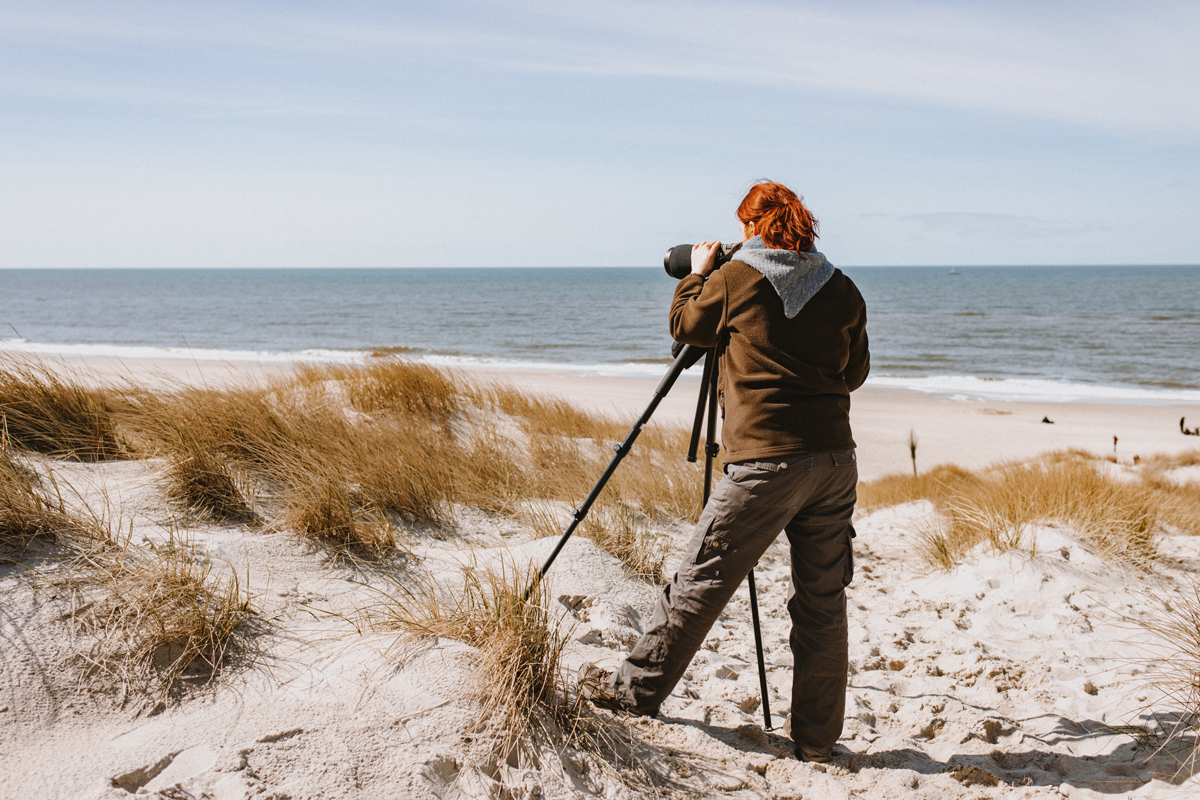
(678, 260)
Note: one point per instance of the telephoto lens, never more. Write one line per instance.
(678, 260)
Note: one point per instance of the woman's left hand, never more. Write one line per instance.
(704, 258)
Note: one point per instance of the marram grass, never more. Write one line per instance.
(32, 510)
(341, 452)
(504, 612)
(44, 411)
(1000, 507)
(160, 619)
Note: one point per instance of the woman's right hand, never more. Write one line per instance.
(704, 258)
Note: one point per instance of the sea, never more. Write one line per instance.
(1102, 334)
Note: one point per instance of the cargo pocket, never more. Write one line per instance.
(849, 575)
(700, 546)
(712, 546)
(843, 458)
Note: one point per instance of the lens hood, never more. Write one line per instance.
(678, 261)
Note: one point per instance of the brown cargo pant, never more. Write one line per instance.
(810, 497)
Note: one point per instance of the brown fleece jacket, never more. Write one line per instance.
(784, 384)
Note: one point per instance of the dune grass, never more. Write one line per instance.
(937, 484)
(999, 507)
(1173, 657)
(331, 477)
(338, 454)
(568, 448)
(205, 482)
(329, 512)
(45, 412)
(492, 475)
(31, 512)
(544, 518)
(158, 618)
(395, 387)
(527, 709)
(405, 467)
(1178, 504)
(338, 451)
(522, 688)
(624, 533)
(161, 618)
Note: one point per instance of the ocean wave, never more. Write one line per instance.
(967, 387)
(1033, 390)
(22, 347)
(320, 356)
(619, 370)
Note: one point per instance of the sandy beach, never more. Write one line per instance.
(1020, 673)
(969, 433)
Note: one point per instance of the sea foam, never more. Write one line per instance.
(20, 346)
(965, 387)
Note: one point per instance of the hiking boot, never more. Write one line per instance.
(595, 685)
(812, 758)
(806, 754)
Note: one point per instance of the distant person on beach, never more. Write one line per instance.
(790, 332)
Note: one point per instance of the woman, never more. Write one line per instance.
(790, 332)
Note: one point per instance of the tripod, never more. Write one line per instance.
(707, 399)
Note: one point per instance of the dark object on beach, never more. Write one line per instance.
(1193, 432)
(1114, 445)
(912, 449)
(1047, 420)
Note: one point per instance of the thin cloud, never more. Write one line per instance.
(984, 226)
(1114, 67)
(1118, 67)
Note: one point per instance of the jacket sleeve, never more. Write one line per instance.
(859, 363)
(698, 310)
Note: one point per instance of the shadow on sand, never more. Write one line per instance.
(1126, 768)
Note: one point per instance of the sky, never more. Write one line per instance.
(559, 133)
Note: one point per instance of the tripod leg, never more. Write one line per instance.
(621, 451)
(706, 380)
(758, 647)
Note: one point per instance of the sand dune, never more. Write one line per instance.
(1016, 674)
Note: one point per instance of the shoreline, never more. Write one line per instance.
(969, 433)
(1019, 388)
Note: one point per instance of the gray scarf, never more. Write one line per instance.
(796, 277)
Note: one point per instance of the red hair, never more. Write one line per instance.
(779, 217)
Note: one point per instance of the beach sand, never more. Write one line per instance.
(1009, 676)
(970, 433)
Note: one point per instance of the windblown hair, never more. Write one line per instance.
(779, 217)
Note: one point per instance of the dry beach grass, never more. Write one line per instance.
(158, 618)
(393, 468)
(1118, 514)
(340, 448)
(503, 610)
(45, 412)
(32, 510)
